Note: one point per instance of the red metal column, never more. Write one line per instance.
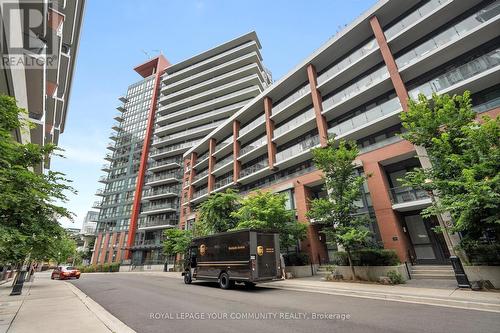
(211, 164)
(271, 146)
(236, 151)
(318, 105)
(155, 66)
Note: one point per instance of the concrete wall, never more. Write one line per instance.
(371, 273)
(302, 271)
(491, 273)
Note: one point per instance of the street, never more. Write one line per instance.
(149, 303)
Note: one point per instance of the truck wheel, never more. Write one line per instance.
(187, 278)
(224, 281)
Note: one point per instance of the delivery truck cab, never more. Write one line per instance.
(245, 256)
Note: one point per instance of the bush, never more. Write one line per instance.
(480, 253)
(115, 267)
(367, 257)
(395, 277)
(296, 259)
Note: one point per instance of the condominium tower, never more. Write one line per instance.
(162, 116)
(354, 87)
(38, 63)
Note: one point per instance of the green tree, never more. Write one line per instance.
(176, 241)
(464, 154)
(266, 211)
(28, 209)
(215, 214)
(338, 212)
(63, 249)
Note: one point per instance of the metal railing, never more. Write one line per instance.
(404, 194)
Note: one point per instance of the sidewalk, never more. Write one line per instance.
(46, 303)
(443, 293)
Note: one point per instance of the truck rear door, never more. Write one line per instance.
(266, 256)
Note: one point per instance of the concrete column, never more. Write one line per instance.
(321, 123)
(236, 151)
(271, 146)
(211, 164)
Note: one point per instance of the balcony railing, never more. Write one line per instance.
(223, 182)
(458, 74)
(223, 162)
(165, 162)
(248, 170)
(253, 145)
(187, 132)
(365, 117)
(161, 190)
(347, 61)
(250, 126)
(157, 222)
(224, 143)
(304, 90)
(174, 147)
(453, 33)
(404, 194)
(359, 86)
(297, 149)
(200, 192)
(295, 122)
(201, 174)
(162, 176)
(167, 205)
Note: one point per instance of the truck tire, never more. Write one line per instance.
(224, 281)
(187, 278)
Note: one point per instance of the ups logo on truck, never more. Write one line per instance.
(260, 250)
(203, 249)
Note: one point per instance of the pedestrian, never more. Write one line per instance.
(282, 264)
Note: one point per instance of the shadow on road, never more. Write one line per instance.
(237, 287)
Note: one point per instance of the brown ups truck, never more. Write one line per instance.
(247, 256)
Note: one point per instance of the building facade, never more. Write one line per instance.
(88, 231)
(355, 87)
(38, 63)
(174, 107)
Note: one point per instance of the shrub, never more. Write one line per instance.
(368, 257)
(395, 277)
(296, 259)
(480, 253)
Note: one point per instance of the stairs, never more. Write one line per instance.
(444, 272)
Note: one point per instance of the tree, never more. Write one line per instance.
(64, 248)
(266, 211)
(339, 210)
(215, 213)
(28, 213)
(176, 241)
(464, 155)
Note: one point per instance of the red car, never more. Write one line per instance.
(65, 272)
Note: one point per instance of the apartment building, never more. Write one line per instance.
(38, 63)
(355, 86)
(162, 116)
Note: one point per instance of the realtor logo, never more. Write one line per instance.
(31, 34)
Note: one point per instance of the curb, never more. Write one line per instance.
(111, 322)
(468, 305)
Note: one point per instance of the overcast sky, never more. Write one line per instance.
(116, 34)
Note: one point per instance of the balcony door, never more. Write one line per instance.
(428, 246)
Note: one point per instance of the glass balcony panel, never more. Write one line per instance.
(248, 170)
(251, 146)
(257, 121)
(295, 122)
(304, 90)
(404, 194)
(298, 148)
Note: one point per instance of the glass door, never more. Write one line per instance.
(421, 240)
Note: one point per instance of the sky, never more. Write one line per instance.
(118, 35)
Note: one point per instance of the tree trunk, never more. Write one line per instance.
(351, 266)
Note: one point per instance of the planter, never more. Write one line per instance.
(477, 273)
(371, 273)
(302, 271)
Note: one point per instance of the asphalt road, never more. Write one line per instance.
(159, 304)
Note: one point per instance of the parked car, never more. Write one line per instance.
(244, 256)
(65, 272)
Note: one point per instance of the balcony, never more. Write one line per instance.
(298, 149)
(121, 108)
(162, 192)
(165, 164)
(407, 198)
(303, 91)
(157, 223)
(173, 149)
(163, 178)
(223, 162)
(204, 129)
(103, 179)
(118, 118)
(159, 208)
(106, 167)
(148, 243)
(252, 125)
(117, 127)
(262, 141)
(200, 175)
(487, 64)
